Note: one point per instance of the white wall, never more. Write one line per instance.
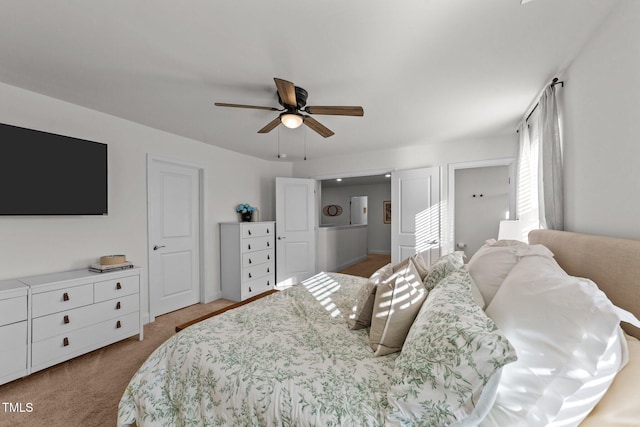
(37, 245)
(481, 201)
(427, 155)
(601, 110)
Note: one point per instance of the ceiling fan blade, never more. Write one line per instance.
(223, 104)
(336, 111)
(270, 126)
(317, 126)
(287, 92)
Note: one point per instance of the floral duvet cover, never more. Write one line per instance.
(286, 359)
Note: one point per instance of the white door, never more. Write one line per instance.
(415, 214)
(295, 230)
(174, 236)
(359, 210)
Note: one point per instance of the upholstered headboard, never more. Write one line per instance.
(612, 263)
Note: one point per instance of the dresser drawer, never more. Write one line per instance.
(68, 321)
(256, 230)
(63, 299)
(13, 357)
(257, 244)
(257, 286)
(13, 310)
(250, 259)
(116, 288)
(62, 347)
(256, 271)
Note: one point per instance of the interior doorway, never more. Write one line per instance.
(335, 195)
(481, 194)
(358, 207)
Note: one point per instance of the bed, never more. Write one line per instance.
(440, 346)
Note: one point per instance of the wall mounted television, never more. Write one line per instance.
(47, 174)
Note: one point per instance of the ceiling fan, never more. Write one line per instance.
(294, 100)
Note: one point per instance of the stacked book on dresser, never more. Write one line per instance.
(111, 263)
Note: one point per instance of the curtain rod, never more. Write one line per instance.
(554, 82)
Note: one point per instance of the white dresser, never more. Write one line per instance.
(14, 330)
(75, 312)
(247, 259)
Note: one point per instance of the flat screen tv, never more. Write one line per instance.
(46, 174)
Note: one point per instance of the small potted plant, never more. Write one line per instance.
(246, 211)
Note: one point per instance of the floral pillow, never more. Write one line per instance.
(451, 352)
(360, 316)
(442, 267)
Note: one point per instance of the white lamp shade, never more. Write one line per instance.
(291, 120)
(516, 230)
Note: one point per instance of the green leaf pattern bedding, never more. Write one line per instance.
(287, 360)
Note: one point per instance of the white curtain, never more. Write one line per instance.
(550, 180)
(527, 176)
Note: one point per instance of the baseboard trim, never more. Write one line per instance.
(374, 252)
(350, 263)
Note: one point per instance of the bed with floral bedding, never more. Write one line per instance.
(446, 344)
(286, 359)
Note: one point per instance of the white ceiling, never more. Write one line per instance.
(425, 71)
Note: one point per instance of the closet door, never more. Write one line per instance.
(415, 216)
(295, 230)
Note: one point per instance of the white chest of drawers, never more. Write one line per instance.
(14, 326)
(247, 259)
(75, 312)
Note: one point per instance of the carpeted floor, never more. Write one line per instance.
(85, 391)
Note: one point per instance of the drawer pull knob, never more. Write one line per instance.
(268, 244)
(268, 283)
(267, 231)
(267, 269)
(118, 286)
(65, 297)
(249, 260)
(249, 246)
(65, 342)
(250, 289)
(268, 256)
(65, 320)
(118, 306)
(249, 232)
(249, 275)
(118, 325)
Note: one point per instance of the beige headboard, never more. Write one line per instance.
(612, 263)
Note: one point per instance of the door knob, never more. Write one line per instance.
(156, 247)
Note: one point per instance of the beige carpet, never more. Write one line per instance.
(86, 391)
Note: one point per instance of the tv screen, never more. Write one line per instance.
(46, 174)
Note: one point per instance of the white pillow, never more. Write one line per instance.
(561, 327)
(418, 262)
(490, 265)
(397, 302)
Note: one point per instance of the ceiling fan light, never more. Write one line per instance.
(291, 120)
